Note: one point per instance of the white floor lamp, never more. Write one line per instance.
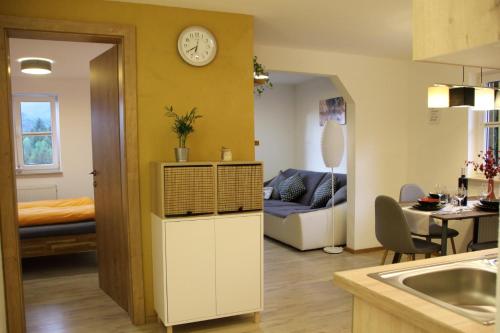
(332, 150)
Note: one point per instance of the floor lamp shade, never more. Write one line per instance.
(332, 144)
(332, 150)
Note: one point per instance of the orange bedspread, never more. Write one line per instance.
(55, 211)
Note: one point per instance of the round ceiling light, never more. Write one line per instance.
(37, 66)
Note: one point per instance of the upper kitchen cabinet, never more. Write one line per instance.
(462, 32)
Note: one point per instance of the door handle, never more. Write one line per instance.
(93, 173)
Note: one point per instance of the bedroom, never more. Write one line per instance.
(58, 120)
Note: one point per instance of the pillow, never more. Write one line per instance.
(267, 192)
(275, 195)
(340, 197)
(291, 188)
(322, 194)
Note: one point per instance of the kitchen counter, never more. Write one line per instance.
(379, 307)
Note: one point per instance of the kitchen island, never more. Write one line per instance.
(381, 308)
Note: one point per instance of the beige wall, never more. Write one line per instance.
(75, 134)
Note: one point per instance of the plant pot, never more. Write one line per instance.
(260, 82)
(181, 154)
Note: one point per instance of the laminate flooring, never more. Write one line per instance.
(299, 296)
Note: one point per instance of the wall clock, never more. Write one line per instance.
(197, 46)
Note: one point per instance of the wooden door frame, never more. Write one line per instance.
(124, 36)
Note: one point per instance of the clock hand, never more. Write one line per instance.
(197, 42)
(194, 47)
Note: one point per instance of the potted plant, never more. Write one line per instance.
(182, 127)
(489, 167)
(260, 77)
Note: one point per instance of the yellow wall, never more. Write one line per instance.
(222, 90)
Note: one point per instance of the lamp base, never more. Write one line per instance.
(333, 249)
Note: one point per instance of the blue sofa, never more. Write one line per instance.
(305, 228)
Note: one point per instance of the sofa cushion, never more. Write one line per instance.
(291, 188)
(274, 183)
(284, 211)
(311, 180)
(322, 194)
(340, 197)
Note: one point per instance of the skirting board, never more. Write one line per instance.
(370, 249)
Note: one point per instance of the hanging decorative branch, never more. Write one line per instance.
(260, 77)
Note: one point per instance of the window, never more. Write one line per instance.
(491, 126)
(36, 126)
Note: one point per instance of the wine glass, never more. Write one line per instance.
(460, 195)
(443, 196)
(439, 191)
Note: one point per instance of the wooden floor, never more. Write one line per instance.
(299, 296)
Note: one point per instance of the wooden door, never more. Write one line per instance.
(190, 266)
(112, 248)
(238, 253)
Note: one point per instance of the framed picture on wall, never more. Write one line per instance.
(332, 109)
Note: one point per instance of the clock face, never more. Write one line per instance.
(197, 46)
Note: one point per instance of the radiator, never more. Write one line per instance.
(38, 192)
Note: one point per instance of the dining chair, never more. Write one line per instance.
(411, 193)
(394, 234)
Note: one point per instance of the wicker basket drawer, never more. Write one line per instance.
(239, 188)
(189, 190)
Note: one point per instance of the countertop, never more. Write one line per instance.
(408, 307)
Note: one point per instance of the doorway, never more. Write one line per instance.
(130, 293)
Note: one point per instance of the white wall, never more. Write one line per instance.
(274, 128)
(386, 115)
(75, 134)
(287, 126)
(308, 132)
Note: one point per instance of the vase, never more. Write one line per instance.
(181, 154)
(491, 189)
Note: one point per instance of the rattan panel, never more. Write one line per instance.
(189, 190)
(239, 188)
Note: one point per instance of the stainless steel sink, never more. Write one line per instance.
(465, 287)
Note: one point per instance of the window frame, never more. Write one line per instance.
(27, 169)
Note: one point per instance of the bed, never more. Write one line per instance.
(53, 227)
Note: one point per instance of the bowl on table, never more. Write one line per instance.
(428, 202)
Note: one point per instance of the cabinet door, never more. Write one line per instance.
(238, 264)
(190, 264)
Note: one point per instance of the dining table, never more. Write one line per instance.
(419, 220)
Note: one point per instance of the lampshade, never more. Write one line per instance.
(37, 66)
(462, 97)
(484, 99)
(332, 144)
(438, 97)
(497, 99)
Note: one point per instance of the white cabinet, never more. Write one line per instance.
(190, 268)
(238, 242)
(207, 267)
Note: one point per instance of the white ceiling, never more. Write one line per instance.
(290, 78)
(71, 59)
(369, 27)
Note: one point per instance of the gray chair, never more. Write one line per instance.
(394, 234)
(412, 192)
